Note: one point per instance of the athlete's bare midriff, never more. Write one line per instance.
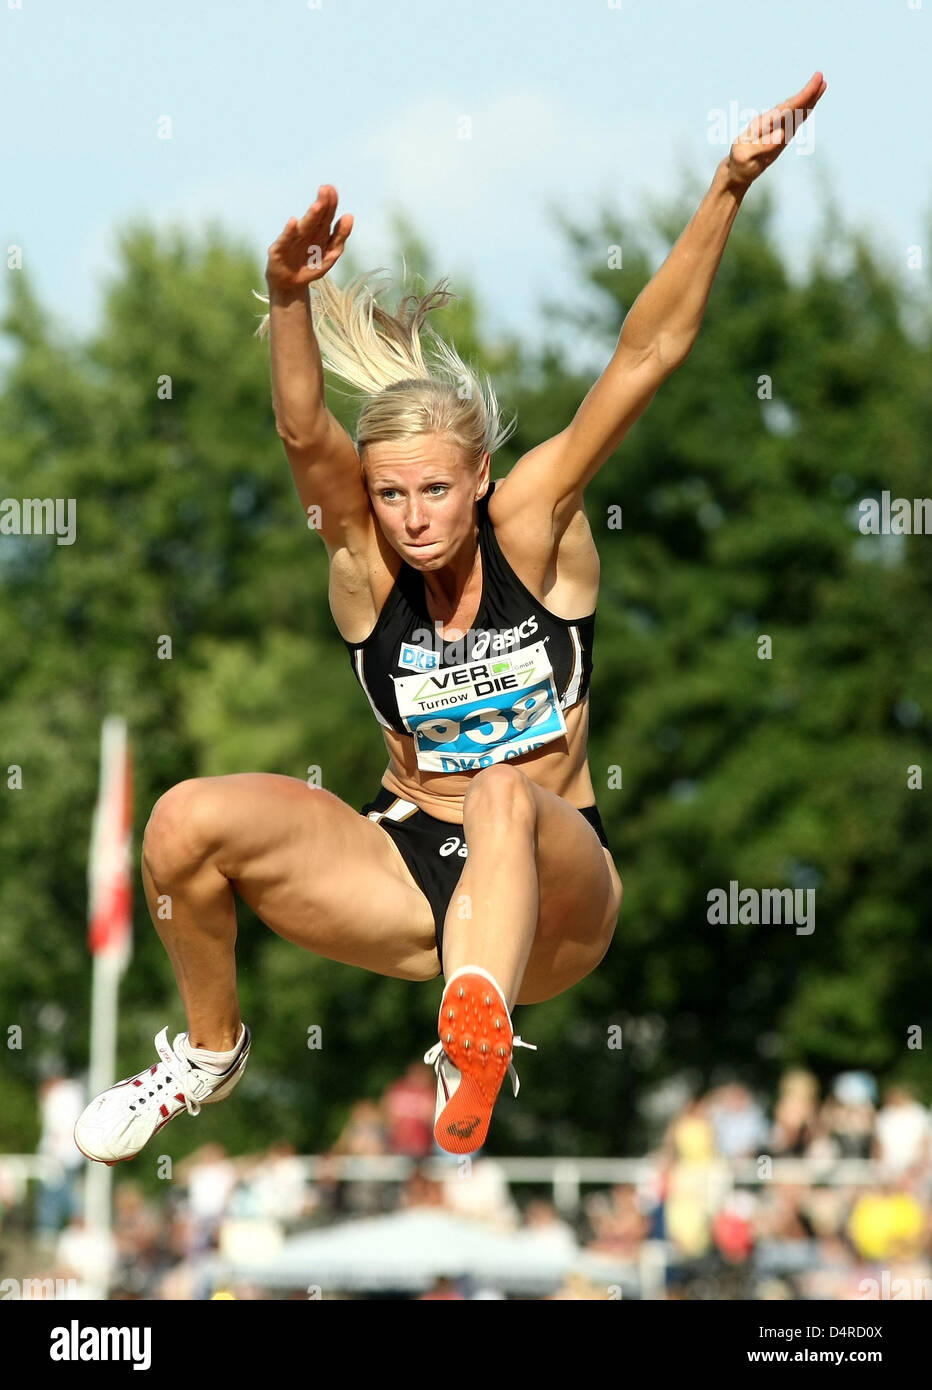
(561, 767)
(564, 582)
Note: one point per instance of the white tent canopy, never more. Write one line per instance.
(410, 1250)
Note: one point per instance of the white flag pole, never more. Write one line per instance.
(98, 1181)
(108, 883)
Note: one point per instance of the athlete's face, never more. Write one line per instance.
(423, 494)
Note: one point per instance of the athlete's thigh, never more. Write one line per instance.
(321, 874)
(579, 899)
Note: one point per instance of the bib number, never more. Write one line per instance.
(482, 712)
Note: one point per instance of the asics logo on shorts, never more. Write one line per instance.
(454, 845)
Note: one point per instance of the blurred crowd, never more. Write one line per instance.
(729, 1223)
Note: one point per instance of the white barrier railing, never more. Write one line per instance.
(564, 1176)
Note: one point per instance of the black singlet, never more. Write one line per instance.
(489, 696)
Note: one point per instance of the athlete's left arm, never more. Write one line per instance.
(659, 331)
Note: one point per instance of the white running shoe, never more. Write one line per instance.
(122, 1120)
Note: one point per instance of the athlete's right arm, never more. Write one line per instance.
(323, 458)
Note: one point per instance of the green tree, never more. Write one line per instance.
(739, 504)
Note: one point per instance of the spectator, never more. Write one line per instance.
(364, 1132)
(824, 1209)
(739, 1123)
(363, 1136)
(545, 1225)
(887, 1224)
(12, 1193)
(408, 1106)
(137, 1232)
(61, 1101)
(210, 1177)
(618, 1222)
(274, 1188)
(178, 1284)
(901, 1131)
(733, 1227)
(444, 1289)
(422, 1191)
(479, 1190)
(182, 1230)
(812, 1237)
(690, 1137)
(576, 1288)
(85, 1255)
(796, 1115)
(135, 1223)
(835, 1276)
(782, 1213)
(694, 1180)
(849, 1114)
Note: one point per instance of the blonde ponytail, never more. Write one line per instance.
(382, 356)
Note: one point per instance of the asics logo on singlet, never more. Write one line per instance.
(454, 846)
(503, 639)
(429, 649)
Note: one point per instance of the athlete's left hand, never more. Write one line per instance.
(757, 147)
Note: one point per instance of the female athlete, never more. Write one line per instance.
(468, 609)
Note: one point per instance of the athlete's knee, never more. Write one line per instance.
(182, 828)
(501, 790)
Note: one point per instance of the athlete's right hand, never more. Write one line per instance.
(308, 247)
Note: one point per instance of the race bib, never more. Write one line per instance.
(482, 712)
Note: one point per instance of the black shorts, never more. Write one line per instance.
(435, 850)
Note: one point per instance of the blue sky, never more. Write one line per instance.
(579, 103)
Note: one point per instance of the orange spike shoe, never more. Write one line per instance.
(471, 1058)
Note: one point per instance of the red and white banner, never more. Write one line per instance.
(109, 871)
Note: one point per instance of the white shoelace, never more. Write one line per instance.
(435, 1054)
(176, 1068)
